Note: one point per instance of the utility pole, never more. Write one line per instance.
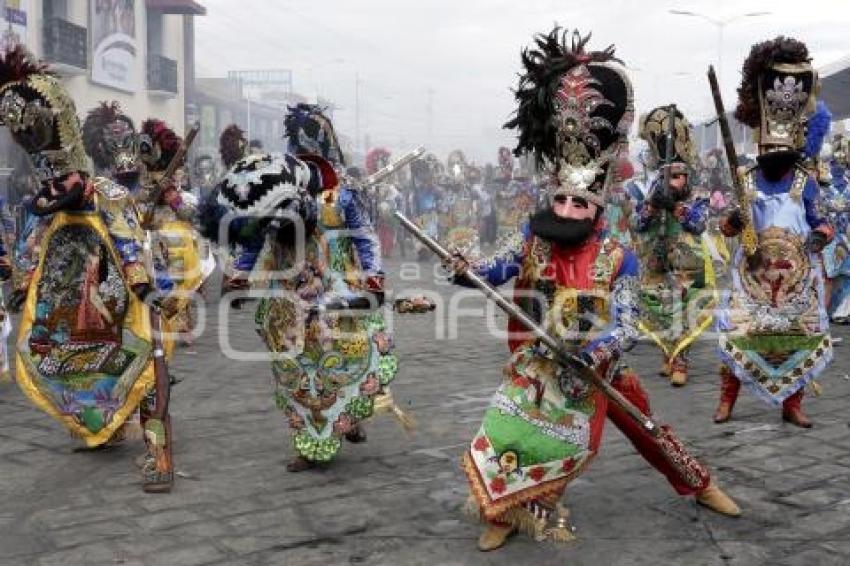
(356, 112)
(429, 110)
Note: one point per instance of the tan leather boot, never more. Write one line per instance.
(494, 536)
(678, 371)
(716, 499)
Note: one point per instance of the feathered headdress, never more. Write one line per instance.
(159, 144)
(575, 109)
(309, 131)
(374, 158)
(817, 128)
(97, 120)
(30, 94)
(777, 89)
(17, 65)
(232, 145)
(655, 130)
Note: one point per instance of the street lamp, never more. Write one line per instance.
(720, 23)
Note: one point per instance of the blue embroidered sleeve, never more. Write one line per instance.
(246, 256)
(811, 194)
(505, 263)
(622, 333)
(696, 216)
(642, 220)
(360, 230)
(130, 249)
(162, 279)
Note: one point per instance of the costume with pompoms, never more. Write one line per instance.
(306, 237)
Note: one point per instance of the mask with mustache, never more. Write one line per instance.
(567, 232)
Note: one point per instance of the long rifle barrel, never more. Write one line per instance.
(563, 357)
(748, 236)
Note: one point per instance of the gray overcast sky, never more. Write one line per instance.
(467, 53)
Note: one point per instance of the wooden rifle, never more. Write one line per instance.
(661, 248)
(749, 240)
(173, 165)
(562, 356)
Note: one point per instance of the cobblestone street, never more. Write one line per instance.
(398, 499)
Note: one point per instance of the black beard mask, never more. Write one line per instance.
(776, 164)
(567, 232)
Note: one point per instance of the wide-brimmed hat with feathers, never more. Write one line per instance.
(31, 98)
(655, 130)
(309, 131)
(777, 91)
(575, 110)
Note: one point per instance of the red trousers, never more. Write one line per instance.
(628, 384)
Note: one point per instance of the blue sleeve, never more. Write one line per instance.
(810, 202)
(130, 249)
(360, 230)
(622, 332)
(162, 279)
(696, 217)
(247, 254)
(505, 263)
(643, 218)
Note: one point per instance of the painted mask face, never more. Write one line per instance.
(576, 208)
(205, 172)
(122, 143)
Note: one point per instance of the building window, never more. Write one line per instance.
(55, 9)
(154, 32)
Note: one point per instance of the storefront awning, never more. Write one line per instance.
(187, 7)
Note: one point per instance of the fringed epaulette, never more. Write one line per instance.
(109, 189)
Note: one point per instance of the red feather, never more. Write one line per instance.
(231, 145)
(372, 159)
(163, 136)
(17, 64)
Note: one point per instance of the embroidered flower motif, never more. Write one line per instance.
(481, 444)
(508, 462)
(568, 465)
(536, 473)
(498, 485)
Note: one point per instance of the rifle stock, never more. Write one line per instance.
(160, 368)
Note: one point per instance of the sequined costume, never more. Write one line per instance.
(7, 238)
(332, 364)
(544, 425)
(425, 199)
(835, 200)
(773, 328)
(86, 350)
(678, 290)
(170, 214)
